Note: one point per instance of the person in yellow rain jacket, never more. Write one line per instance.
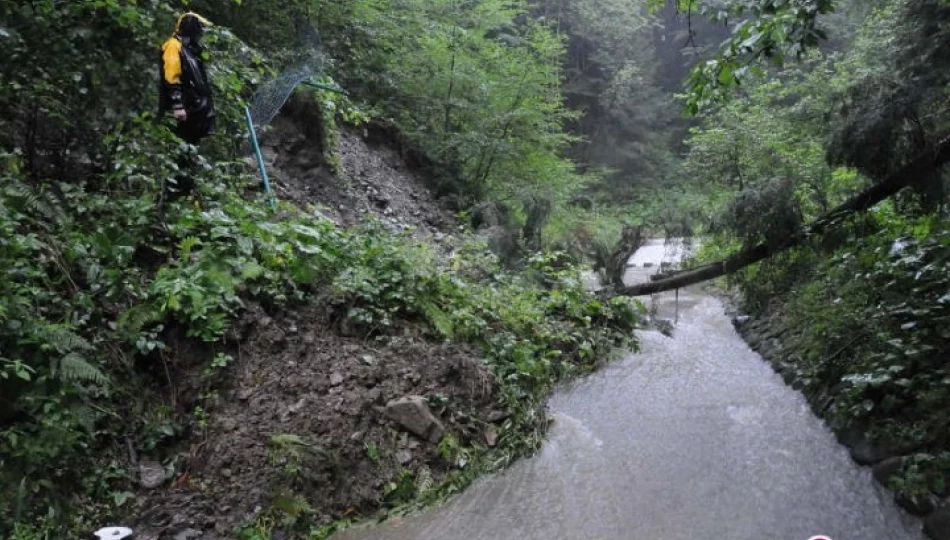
(185, 89)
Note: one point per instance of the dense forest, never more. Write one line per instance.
(802, 140)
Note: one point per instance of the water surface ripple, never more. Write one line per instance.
(695, 438)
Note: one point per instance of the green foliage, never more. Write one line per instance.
(83, 163)
(402, 488)
(864, 305)
(533, 335)
(476, 85)
(869, 333)
(898, 308)
(766, 31)
(99, 268)
(611, 76)
(922, 475)
(372, 451)
(288, 452)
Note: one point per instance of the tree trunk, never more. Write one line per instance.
(631, 238)
(924, 164)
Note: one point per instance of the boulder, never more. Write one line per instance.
(887, 469)
(919, 506)
(498, 416)
(412, 413)
(937, 524)
(491, 436)
(151, 474)
(188, 534)
(403, 456)
(867, 452)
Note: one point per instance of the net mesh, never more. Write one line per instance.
(266, 103)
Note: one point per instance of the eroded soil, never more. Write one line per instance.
(373, 180)
(300, 411)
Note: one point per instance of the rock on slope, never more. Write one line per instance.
(303, 407)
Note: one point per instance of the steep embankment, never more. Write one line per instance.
(869, 354)
(303, 405)
(415, 367)
(373, 179)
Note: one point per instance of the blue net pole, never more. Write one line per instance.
(252, 134)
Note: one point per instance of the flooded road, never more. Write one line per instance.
(695, 438)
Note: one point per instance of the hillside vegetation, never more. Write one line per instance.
(549, 136)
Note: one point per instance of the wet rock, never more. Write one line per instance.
(412, 413)
(188, 534)
(151, 474)
(740, 320)
(491, 436)
(501, 241)
(381, 201)
(349, 328)
(937, 524)
(867, 452)
(821, 403)
(373, 396)
(296, 407)
(919, 506)
(403, 456)
(498, 416)
(887, 469)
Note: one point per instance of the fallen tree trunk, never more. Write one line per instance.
(905, 176)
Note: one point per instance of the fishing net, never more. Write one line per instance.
(306, 62)
(310, 61)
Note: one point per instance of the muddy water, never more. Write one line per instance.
(695, 438)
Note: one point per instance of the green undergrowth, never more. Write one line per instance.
(96, 272)
(93, 277)
(100, 270)
(868, 328)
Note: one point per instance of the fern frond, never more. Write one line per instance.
(424, 480)
(286, 440)
(62, 340)
(137, 317)
(292, 505)
(439, 319)
(75, 369)
(187, 245)
(41, 207)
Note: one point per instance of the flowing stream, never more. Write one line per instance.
(693, 438)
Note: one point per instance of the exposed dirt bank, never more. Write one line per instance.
(301, 411)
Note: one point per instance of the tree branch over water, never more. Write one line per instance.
(920, 166)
